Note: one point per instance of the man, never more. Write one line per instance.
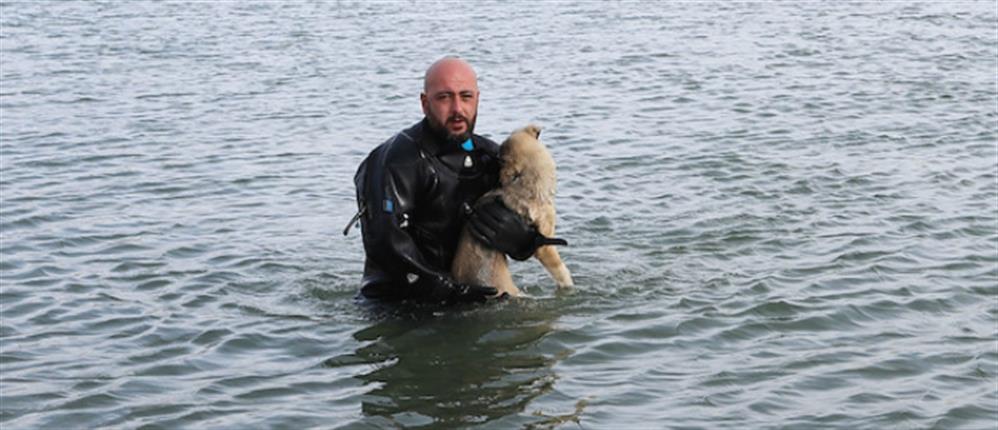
(416, 190)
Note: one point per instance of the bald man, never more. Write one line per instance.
(415, 191)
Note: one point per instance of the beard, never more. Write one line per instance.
(444, 133)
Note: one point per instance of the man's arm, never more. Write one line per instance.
(392, 195)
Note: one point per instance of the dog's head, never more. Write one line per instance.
(526, 161)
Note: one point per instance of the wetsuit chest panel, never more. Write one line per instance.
(441, 214)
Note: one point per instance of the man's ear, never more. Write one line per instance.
(534, 129)
(423, 100)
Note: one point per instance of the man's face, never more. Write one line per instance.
(450, 101)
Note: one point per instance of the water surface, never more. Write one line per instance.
(780, 216)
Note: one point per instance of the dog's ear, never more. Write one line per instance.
(534, 130)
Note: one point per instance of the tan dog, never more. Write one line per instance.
(527, 186)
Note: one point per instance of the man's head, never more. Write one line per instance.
(450, 98)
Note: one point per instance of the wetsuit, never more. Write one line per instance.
(412, 192)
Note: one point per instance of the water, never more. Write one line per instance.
(780, 216)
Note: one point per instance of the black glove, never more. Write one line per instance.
(441, 289)
(499, 228)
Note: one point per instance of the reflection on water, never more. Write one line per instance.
(447, 368)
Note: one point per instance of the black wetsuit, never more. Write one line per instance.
(411, 191)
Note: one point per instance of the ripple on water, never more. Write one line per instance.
(765, 228)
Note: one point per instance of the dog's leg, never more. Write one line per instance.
(468, 262)
(476, 264)
(548, 256)
(501, 278)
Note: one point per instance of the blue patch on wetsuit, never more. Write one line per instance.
(468, 145)
(389, 206)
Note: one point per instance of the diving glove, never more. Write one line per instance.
(441, 289)
(498, 227)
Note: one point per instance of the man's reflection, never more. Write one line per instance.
(453, 368)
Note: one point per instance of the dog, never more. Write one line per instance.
(527, 186)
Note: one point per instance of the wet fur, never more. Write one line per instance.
(527, 186)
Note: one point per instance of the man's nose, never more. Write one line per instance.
(457, 106)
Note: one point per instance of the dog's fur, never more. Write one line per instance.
(527, 186)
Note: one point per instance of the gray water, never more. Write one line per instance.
(779, 216)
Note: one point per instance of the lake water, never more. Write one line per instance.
(779, 215)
